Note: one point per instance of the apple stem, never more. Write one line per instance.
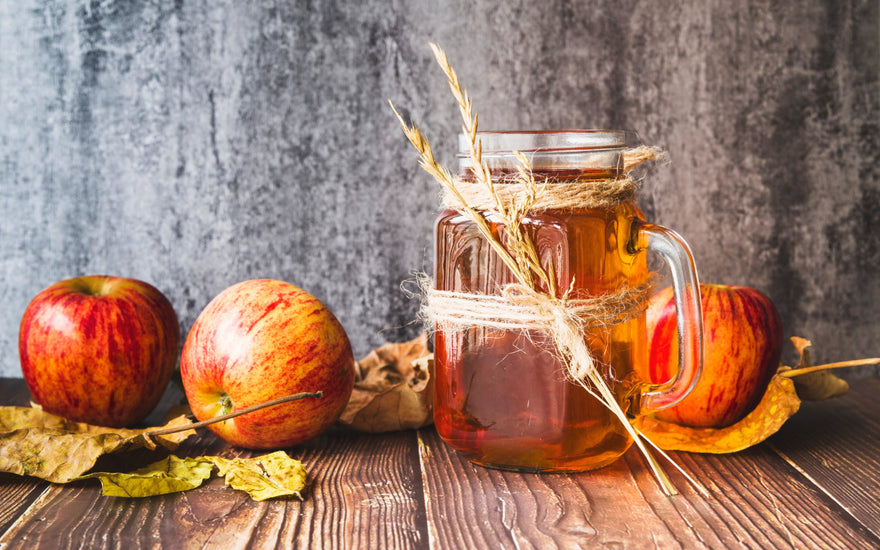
(839, 365)
(246, 410)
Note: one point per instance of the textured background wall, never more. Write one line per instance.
(197, 143)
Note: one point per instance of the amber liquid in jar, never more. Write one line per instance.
(502, 397)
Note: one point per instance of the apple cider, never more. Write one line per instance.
(502, 396)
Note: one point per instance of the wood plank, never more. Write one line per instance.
(836, 444)
(16, 493)
(76, 515)
(473, 507)
(367, 494)
(364, 494)
(756, 501)
(365, 491)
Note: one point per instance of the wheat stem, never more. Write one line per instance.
(523, 249)
(828, 366)
(430, 165)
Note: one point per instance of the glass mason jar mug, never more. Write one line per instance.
(502, 396)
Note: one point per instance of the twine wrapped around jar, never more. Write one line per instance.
(553, 195)
(520, 307)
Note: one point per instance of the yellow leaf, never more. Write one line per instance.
(36, 443)
(170, 475)
(269, 476)
(779, 403)
(264, 477)
(781, 400)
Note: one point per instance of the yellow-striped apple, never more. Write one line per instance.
(99, 349)
(259, 340)
(742, 340)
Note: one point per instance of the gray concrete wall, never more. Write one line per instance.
(197, 143)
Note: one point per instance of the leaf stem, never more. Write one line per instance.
(839, 365)
(246, 410)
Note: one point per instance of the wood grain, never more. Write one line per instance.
(814, 486)
(515, 510)
(756, 501)
(16, 493)
(365, 492)
(836, 444)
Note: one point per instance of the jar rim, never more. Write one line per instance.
(544, 141)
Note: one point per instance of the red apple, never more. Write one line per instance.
(742, 339)
(99, 349)
(259, 340)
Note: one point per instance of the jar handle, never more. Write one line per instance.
(688, 314)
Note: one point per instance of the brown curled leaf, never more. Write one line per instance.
(779, 403)
(393, 390)
(814, 385)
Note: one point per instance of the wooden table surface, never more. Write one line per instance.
(815, 484)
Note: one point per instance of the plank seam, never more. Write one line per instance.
(430, 530)
(25, 515)
(821, 488)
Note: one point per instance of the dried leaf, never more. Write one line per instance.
(394, 389)
(821, 385)
(815, 385)
(781, 400)
(36, 443)
(779, 403)
(270, 476)
(169, 475)
(264, 477)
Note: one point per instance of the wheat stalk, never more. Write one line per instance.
(442, 175)
(521, 240)
(522, 248)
